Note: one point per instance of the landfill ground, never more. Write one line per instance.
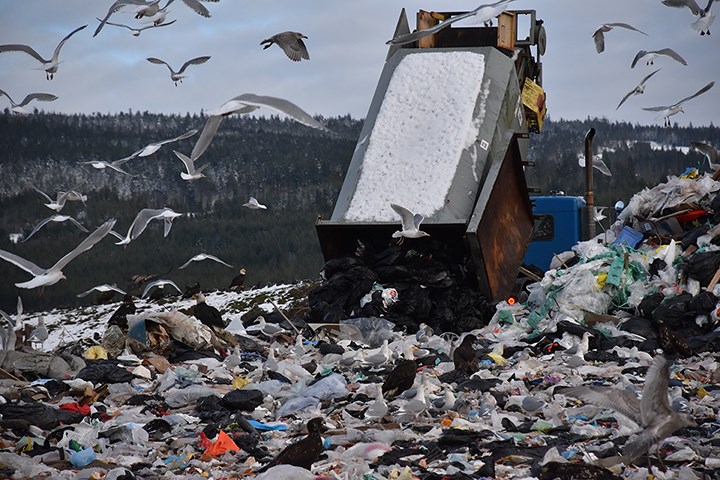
(165, 396)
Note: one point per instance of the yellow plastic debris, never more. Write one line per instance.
(240, 382)
(96, 352)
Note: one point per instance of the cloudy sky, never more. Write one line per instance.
(109, 73)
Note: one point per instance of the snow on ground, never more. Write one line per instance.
(73, 324)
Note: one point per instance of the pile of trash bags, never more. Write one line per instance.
(370, 351)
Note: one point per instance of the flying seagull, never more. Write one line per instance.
(203, 256)
(101, 288)
(178, 76)
(599, 35)
(114, 165)
(710, 152)
(52, 275)
(253, 204)
(115, 7)
(161, 283)
(151, 148)
(190, 173)
(50, 66)
(653, 54)
(638, 90)
(652, 411)
(706, 19)
(18, 107)
(691, 4)
(246, 103)
(142, 219)
(410, 224)
(597, 163)
(55, 218)
(291, 43)
(670, 110)
(483, 13)
(61, 197)
(137, 31)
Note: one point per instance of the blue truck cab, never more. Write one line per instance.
(558, 227)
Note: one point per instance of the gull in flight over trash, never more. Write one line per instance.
(178, 76)
(291, 43)
(52, 275)
(650, 56)
(55, 218)
(190, 173)
(62, 197)
(142, 219)
(599, 35)
(711, 153)
(115, 7)
(483, 13)
(19, 107)
(253, 204)
(246, 103)
(115, 165)
(101, 288)
(652, 411)
(410, 224)
(670, 110)
(151, 148)
(638, 90)
(137, 31)
(50, 66)
(203, 256)
(161, 283)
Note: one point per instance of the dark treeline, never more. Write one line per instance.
(296, 171)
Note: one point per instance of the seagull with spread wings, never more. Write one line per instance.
(670, 110)
(19, 107)
(483, 13)
(178, 76)
(651, 55)
(137, 31)
(599, 35)
(55, 218)
(52, 275)
(638, 90)
(142, 219)
(410, 224)
(291, 43)
(203, 256)
(50, 66)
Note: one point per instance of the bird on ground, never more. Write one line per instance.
(137, 31)
(57, 218)
(119, 316)
(706, 19)
(190, 173)
(160, 283)
(418, 404)
(102, 288)
(291, 43)
(50, 276)
(115, 7)
(153, 147)
(652, 411)
(379, 357)
(178, 76)
(19, 109)
(424, 333)
(268, 329)
(377, 408)
(670, 110)
(410, 224)
(39, 333)
(238, 281)
(191, 290)
(203, 256)
(60, 198)
(574, 357)
(483, 13)
(711, 153)
(304, 452)
(638, 90)
(465, 357)
(142, 219)
(246, 103)
(50, 66)
(599, 35)
(400, 378)
(207, 314)
(253, 204)
(651, 55)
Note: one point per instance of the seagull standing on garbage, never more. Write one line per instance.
(652, 411)
(39, 333)
(410, 224)
(378, 408)
(380, 357)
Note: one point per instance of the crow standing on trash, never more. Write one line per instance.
(302, 453)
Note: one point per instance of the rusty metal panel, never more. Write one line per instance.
(501, 226)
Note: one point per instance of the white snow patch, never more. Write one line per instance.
(422, 127)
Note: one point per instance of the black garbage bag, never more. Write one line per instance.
(39, 414)
(672, 310)
(649, 304)
(703, 302)
(246, 399)
(104, 371)
(640, 326)
(690, 237)
(334, 299)
(702, 266)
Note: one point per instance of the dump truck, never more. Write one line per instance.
(446, 136)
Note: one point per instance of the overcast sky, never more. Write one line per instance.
(109, 73)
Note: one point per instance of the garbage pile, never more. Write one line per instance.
(609, 369)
